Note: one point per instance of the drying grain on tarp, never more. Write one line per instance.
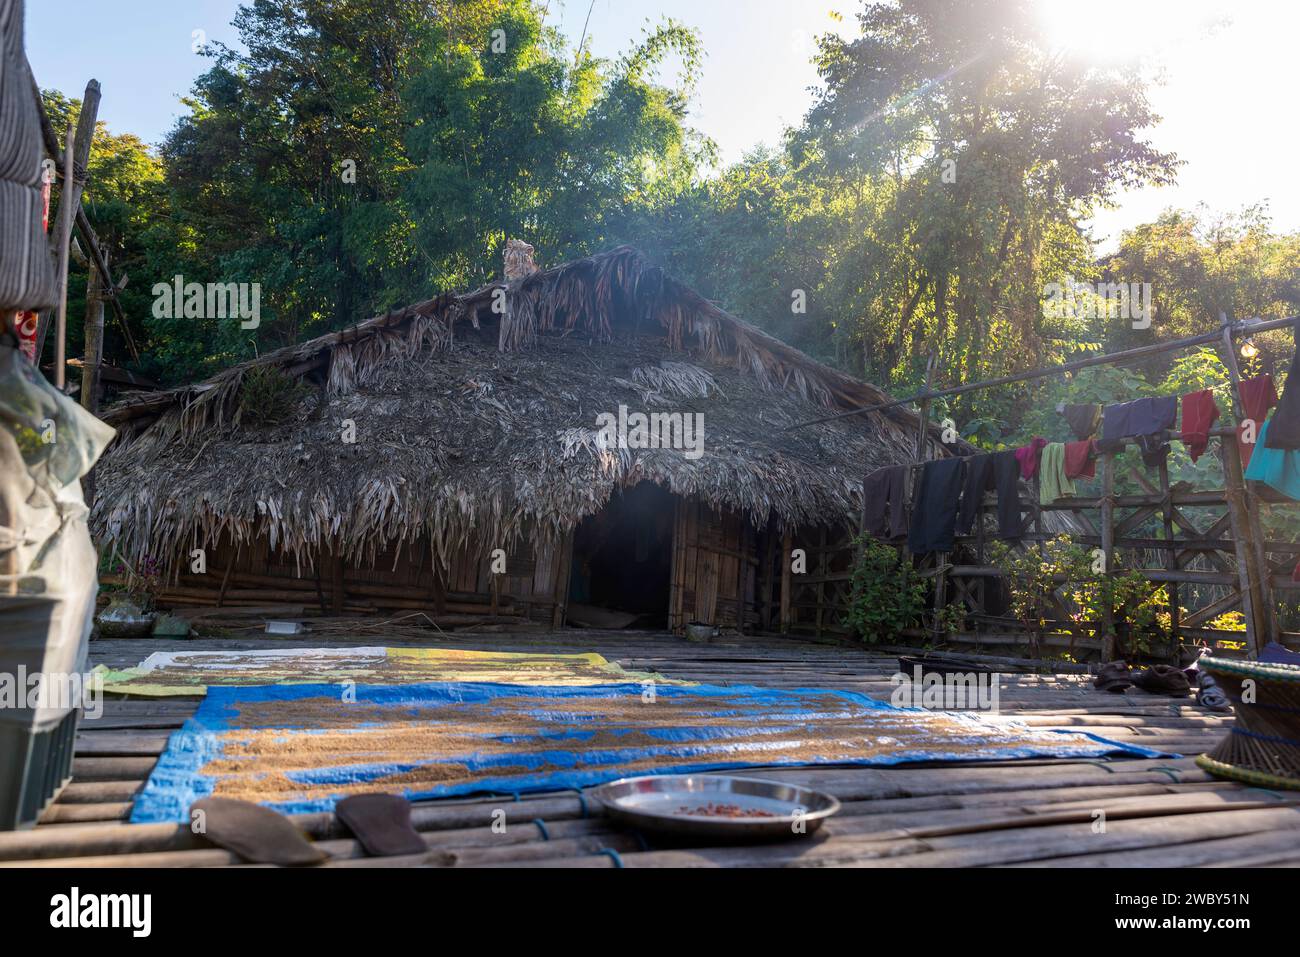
(301, 748)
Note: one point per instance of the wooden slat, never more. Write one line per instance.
(1013, 813)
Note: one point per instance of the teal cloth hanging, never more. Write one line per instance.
(1277, 468)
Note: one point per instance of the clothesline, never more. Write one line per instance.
(1114, 358)
(1169, 435)
(950, 491)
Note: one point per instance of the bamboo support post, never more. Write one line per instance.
(93, 349)
(787, 546)
(1249, 536)
(76, 159)
(337, 593)
(1250, 583)
(64, 238)
(1108, 545)
(1171, 558)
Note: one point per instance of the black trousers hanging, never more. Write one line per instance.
(1006, 479)
(1000, 471)
(885, 512)
(979, 479)
(934, 511)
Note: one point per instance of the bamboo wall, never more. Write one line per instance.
(401, 580)
(715, 569)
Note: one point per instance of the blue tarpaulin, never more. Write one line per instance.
(300, 748)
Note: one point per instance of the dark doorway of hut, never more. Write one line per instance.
(622, 562)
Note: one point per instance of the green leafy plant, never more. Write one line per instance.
(950, 619)
(1122, 604)
(1135, 611)
(267, 396)
(888, 593)
(1032, 576)
(144, 583)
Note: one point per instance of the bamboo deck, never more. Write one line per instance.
(1023, 813)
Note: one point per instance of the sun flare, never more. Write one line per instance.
(1125, 30)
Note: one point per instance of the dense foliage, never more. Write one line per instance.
(354, 156)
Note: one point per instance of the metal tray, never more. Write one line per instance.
(656, 803)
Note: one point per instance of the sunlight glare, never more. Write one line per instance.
(1126, 30)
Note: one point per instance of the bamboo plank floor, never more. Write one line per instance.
(1014, 813)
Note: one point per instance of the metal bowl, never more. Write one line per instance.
(663, 804)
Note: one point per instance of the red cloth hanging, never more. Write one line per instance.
(1080, 461)
(1200, 412)
(1258, 395)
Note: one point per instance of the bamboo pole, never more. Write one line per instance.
(1249, 579)
(563, 573)
(70, 196)
(765, 580)
(93, 351)
(1260, 624)
(110, 289)
(76, 158)
(97, 257)
(787, 546)
(1171, 558)
(91, 361)
(1108, 546)
(924, 425)
(338, 594)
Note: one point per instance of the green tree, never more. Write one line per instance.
(361, 156)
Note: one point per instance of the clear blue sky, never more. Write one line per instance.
(1225, 100)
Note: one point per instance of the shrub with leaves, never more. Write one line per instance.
(1135, 609)
(888, 593)
(1122, 602)
(267, 396)
(1033, 576)
(144, 583)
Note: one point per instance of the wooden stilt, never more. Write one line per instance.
(337, 593)
(1171, 559)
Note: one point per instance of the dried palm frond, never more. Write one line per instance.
(492, 435)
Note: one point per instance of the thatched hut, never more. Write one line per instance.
(449, 458)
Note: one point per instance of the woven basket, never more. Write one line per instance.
(1263, 747)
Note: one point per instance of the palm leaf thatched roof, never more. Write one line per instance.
(477, 413)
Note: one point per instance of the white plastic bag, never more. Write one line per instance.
(48, 565)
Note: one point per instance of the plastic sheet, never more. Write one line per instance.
(47, 596)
